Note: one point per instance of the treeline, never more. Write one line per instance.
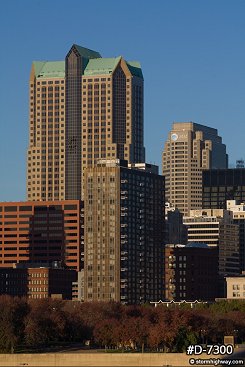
(40, 323)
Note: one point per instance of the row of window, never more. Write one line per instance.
(30, 208)
(38, 289)
(238, 287)
(44, 82)
(238, 295)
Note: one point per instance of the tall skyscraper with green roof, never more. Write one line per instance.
(82, 109)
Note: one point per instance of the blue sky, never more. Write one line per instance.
(191, 51)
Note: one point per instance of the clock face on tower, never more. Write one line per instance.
(174, 137)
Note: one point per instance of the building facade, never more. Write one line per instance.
(41, 233)
(229, 257)
(189, 149)
(191, 272)
(82, 109)
(203, 226)
(235, 287)
(78, 287)
(220, 185)
(238, 213)
(216, 228)
(176, 231)
(124, 233)
(37, 282)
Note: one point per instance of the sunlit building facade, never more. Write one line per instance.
(124, 233)
(82, 109)
(189, 149)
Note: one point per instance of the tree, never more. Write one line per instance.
(184, 338)
(13, 310)
(46, 322)
(104, 332)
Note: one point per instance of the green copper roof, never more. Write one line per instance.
(108, 65)
(101, 66)
(87, 53)
(135, 68)
(49, 69)
(95, 66)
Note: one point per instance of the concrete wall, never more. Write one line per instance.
(97, 359)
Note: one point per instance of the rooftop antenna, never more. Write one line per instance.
(240, 163)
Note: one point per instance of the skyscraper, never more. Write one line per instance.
(82, 109)
(124, 233)
(189, 149)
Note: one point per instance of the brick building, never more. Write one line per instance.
(42, 232)
(37, 282)
(191, 272)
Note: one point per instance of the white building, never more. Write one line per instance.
(236, 287)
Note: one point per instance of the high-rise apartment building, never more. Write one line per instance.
(124, 233)
(82, 109)
(189, 149)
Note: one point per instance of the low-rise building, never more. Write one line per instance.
(191, 272)
(37, 282)
(235, 287)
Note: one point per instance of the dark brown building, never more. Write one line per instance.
(124, 232)
(220, 185)
(176, 231)
(191, 272)
(37, 282)
(42, 232)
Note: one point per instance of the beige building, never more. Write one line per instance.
(204, 225)
(216, 228)
(235, 287)
(189, 149)
(82, 109)
(46, 152)
(124, 233)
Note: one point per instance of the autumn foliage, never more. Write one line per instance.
(41, 323)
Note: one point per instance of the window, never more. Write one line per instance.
(25, 208)
(10, 208)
